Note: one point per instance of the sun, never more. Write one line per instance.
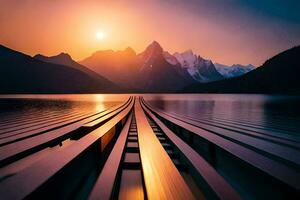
(100, 35)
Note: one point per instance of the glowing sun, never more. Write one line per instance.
(100, 35)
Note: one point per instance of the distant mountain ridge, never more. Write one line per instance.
(203, 70)
(20, 73)
(144, 72)
(233, 70)
(278, 75)
(153, 70)
(120, 67)
(139, 72)
(66, 59)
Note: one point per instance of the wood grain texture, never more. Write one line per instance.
(215, 181)
(40, 172)
(29, 144)
(105, 183)
(131, 185)
(162, 179)
(280, 171)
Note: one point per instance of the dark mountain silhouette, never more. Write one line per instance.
(145, 72)
(66, 59)
(153, 70)
(120, 67)
(278, 75)
(20, 73)
(158, 75)
(150, 54)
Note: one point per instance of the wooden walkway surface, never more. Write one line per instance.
(136, 151)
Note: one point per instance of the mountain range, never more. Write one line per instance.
(200, 69)
(120, 67)
(158, 75)
(233, 70)
(20, 73)
(278, 75)
(147, 71)
(153, 70)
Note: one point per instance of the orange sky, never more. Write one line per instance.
(53, 26)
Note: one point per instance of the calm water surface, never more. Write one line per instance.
(23, 106)
(276, 112)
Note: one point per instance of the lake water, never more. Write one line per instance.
(281, 113)
(268, 124)
(276, 112)
(22, 106)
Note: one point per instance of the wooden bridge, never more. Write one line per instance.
(136, 151)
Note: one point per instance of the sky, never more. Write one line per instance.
(225, 31)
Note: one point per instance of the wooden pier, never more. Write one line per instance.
(136, 151)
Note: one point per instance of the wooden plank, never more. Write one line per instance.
(273, 149)
(265, 125)
(275, 136)
(97, 121)
(287, 127)
(25, 162)
(20, 116)
(132, 158)
(162, 179)
(274, 168)
(33, 144)
(37, 117)
(19, 120)
(131, 186)
(41, 172)
(23, 118)
(264, 134)
(215, 181)
(105, 182)
(36, 130)
(45, 114)
(32, 123)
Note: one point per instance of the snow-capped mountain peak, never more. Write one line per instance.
(200, 69)
(234, 70)
(170, 58)
(186, 64)
(187, 59)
